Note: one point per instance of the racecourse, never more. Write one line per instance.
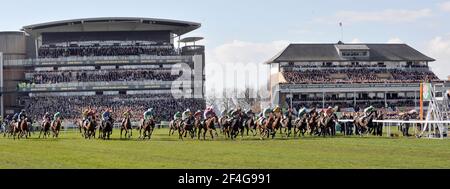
(163, 151)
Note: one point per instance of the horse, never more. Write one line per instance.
(250, 124)
(209, 126)
(79, 123)
(106, 129)
(276, 125)
(185, 127)
(225, 124)
(301, 125)
(173, 126)
(45, 128)
(327, 125)
(287, 124)
(235, 127)
(56, 127)
(148, 127)
(22, 129)
(377, 128)
(89, 128)
(363, 123)
(198, 127)
(8, 129)
(312, 122)
(126, 125)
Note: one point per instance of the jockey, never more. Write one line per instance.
(209, 112)
(198, 114)
(177, 116)
(7, 119)
(301, 112)
(329, 111)
(126, 115)
(57, 116)
(186, 114)
(289, 112)
(148, 114)
(15, 117)
(277, 110)
(46, 118)
(84, 114)
(22, 115)
(369, 110)
(267, 112)
(106, 115)
(249, 112)
(91, 114)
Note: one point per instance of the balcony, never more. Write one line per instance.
(97, 60)
(98, 86)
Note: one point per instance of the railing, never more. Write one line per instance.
(44, 61)
(396, 123)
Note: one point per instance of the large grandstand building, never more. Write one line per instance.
(350, 76)
(116, 63)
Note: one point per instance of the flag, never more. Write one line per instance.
(427, 91)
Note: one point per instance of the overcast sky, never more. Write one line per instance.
(252, 31)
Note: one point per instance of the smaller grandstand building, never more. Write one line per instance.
(349, 75)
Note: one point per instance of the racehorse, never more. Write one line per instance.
(56, 127)
(89, 128)
(173, 126)
(287, 124)
(22, 129)
(45, 128)
(127, 127)
(198, 126)
(187, 126)
(250, 124)
(377, 128)
(209, 126)
(148, 127)
(105, 130)
(235, 127)
(312, 122)
(327, 125)
(363, 123)
(301, 125)
(225, 124)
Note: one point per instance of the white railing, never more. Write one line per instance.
(396, 123)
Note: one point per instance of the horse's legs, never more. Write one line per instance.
(199, 133)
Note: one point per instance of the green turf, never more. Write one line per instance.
(72, 151)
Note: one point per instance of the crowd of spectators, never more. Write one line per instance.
(105, 75)
(110, 50)
(357, 76)
(71, 107)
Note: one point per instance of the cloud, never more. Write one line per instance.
(355, 40)
(439, 49)
(387, 15)
(445, 6)
(395, 40)
(239, 63)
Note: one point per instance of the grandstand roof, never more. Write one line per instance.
(191, 39)
(329, 52)
(113, 24)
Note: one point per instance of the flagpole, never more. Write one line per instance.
(342, 31)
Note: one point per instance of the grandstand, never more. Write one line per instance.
(352, 76)
(116, 63)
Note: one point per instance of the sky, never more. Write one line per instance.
(248, 32)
